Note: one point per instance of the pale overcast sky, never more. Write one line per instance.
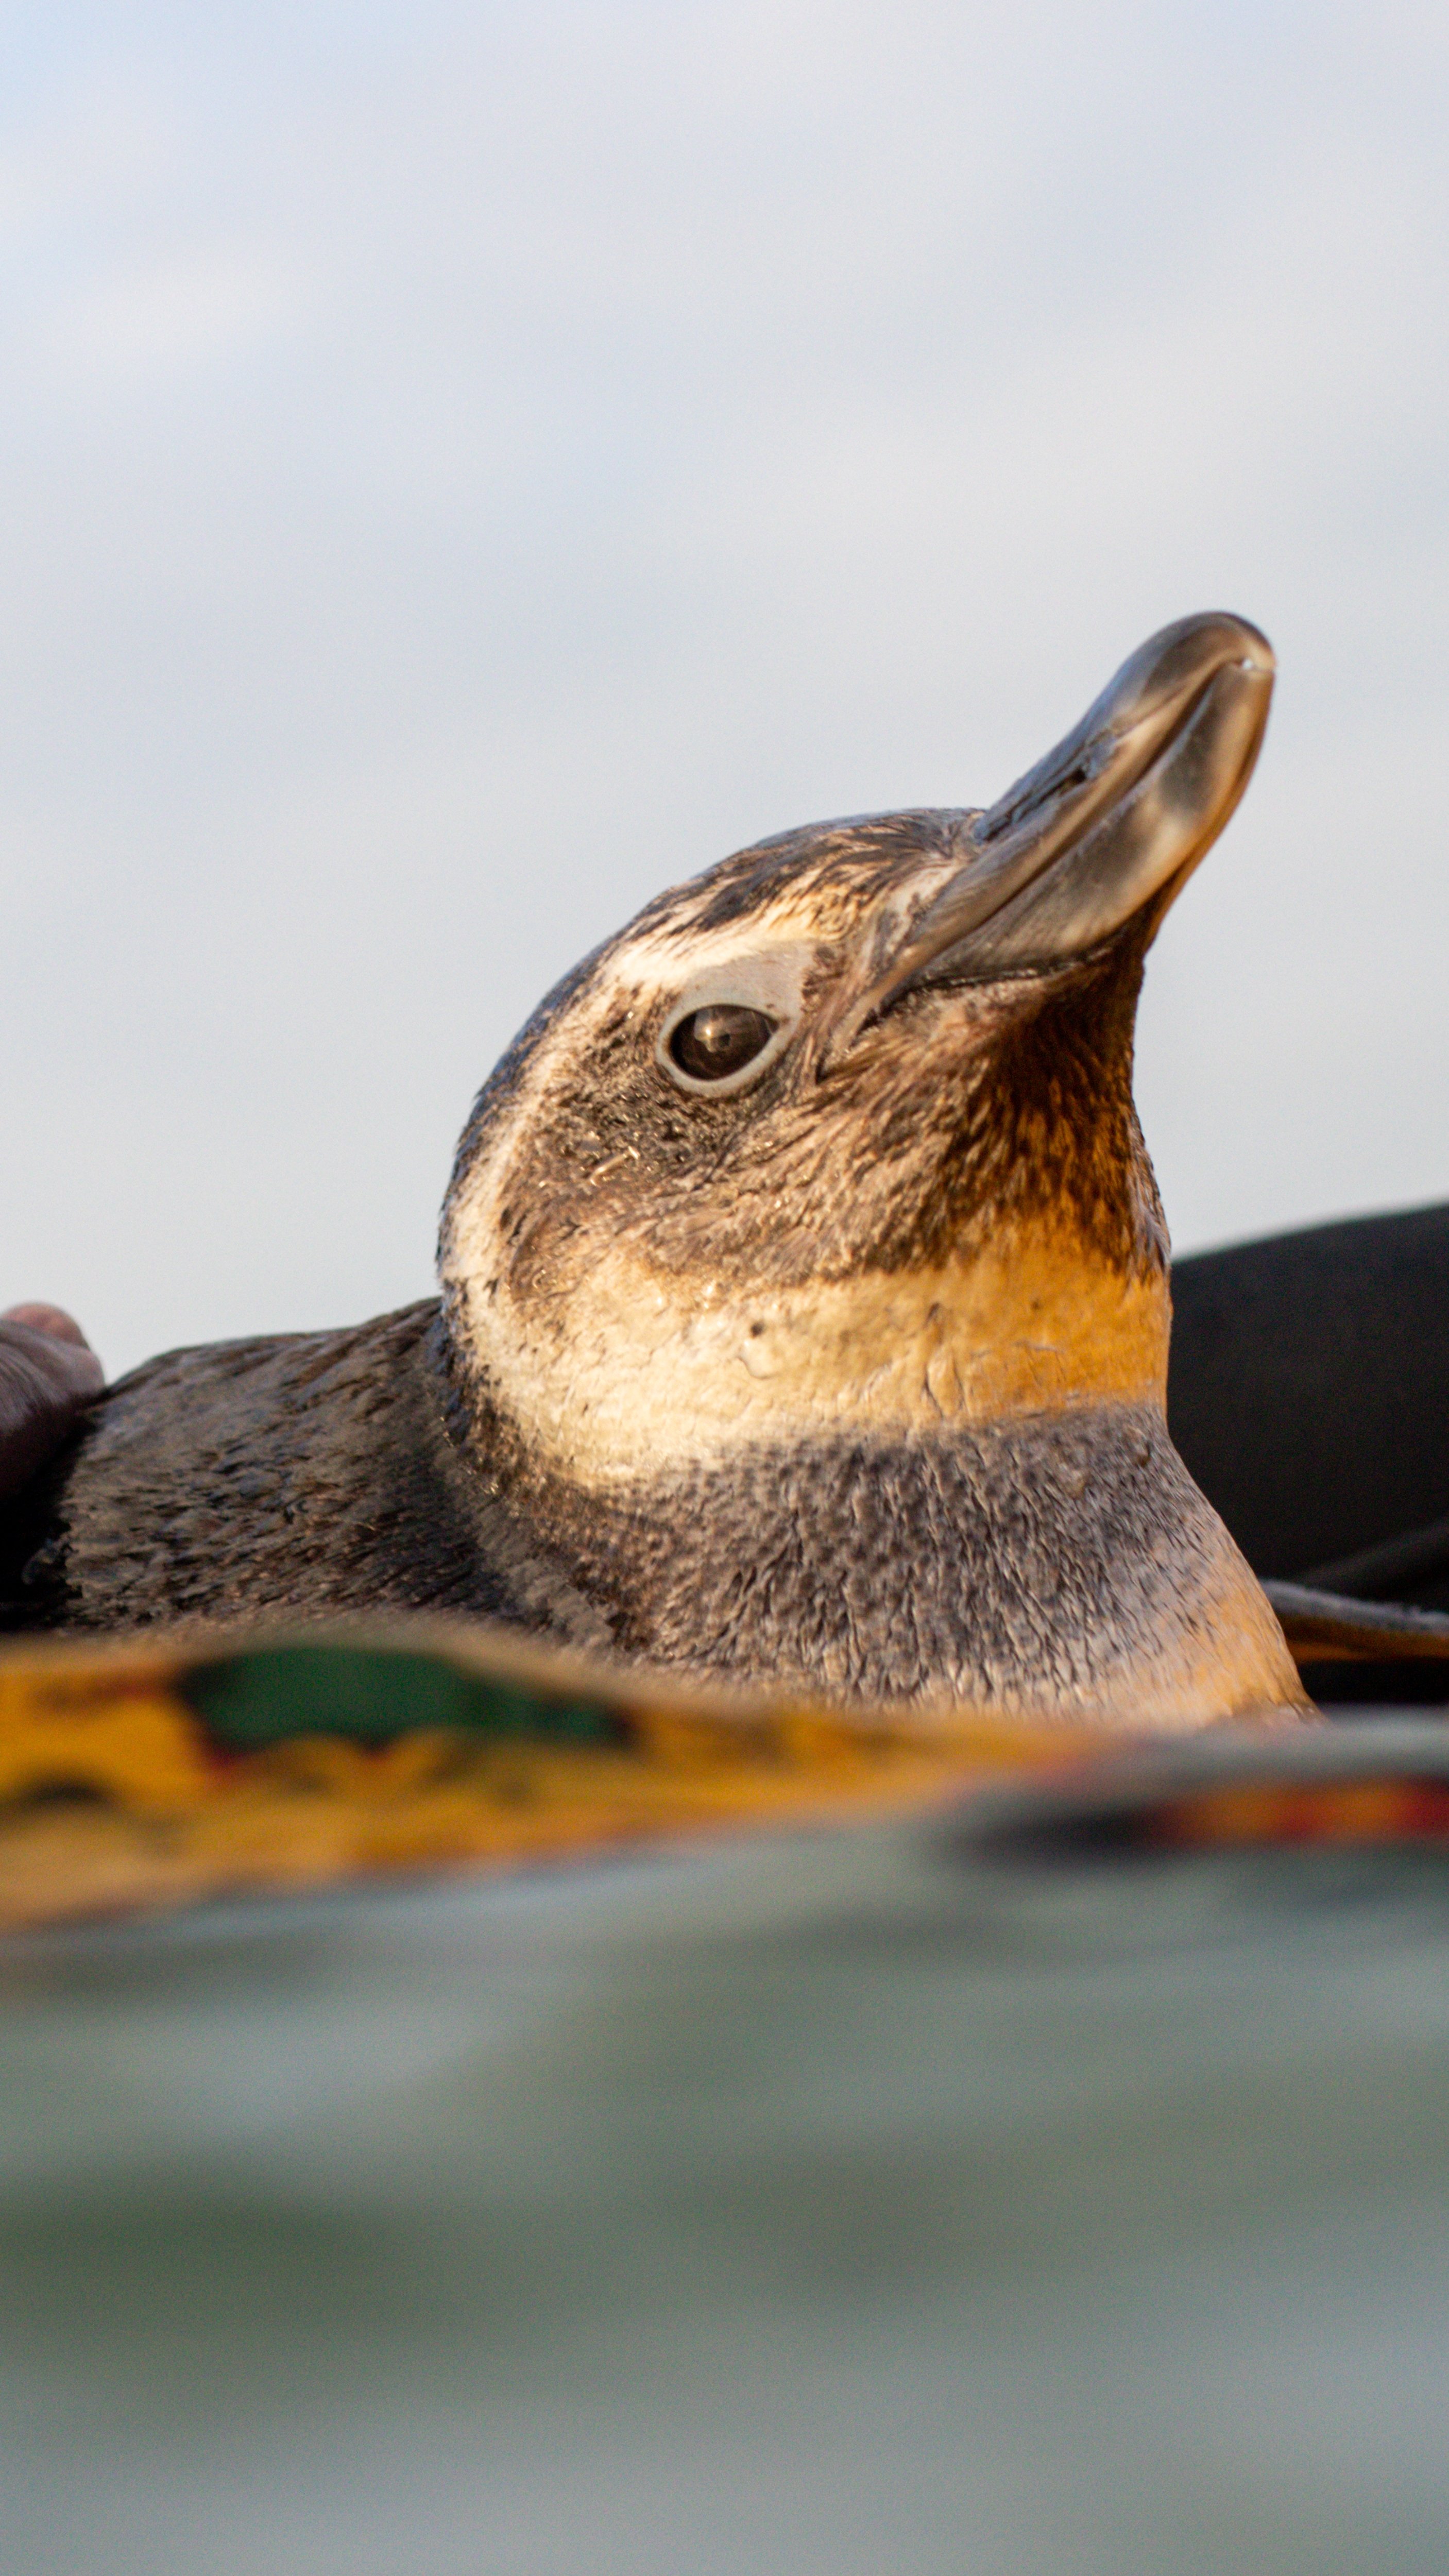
(464, 468)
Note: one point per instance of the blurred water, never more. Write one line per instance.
(843, 2202)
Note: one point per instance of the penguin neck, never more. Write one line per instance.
(629, 1371)
(961, 1490)
(1059, 1565)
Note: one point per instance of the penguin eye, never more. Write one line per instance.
(720, 1040)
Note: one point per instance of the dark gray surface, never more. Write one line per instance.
(1309, 1395)
(837, 2204)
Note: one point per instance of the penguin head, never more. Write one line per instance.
(839, 1136)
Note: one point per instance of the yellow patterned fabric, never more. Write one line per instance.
(135, 1778)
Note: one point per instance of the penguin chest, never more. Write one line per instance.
(1058, 1565)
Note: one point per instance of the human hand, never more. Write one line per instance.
(48, 1373)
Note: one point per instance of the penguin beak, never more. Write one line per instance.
(1110, 823)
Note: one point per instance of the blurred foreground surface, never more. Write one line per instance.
(848, 2201)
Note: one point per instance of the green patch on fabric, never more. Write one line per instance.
(371, 1695)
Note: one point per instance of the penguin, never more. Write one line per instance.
(804, 1305)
